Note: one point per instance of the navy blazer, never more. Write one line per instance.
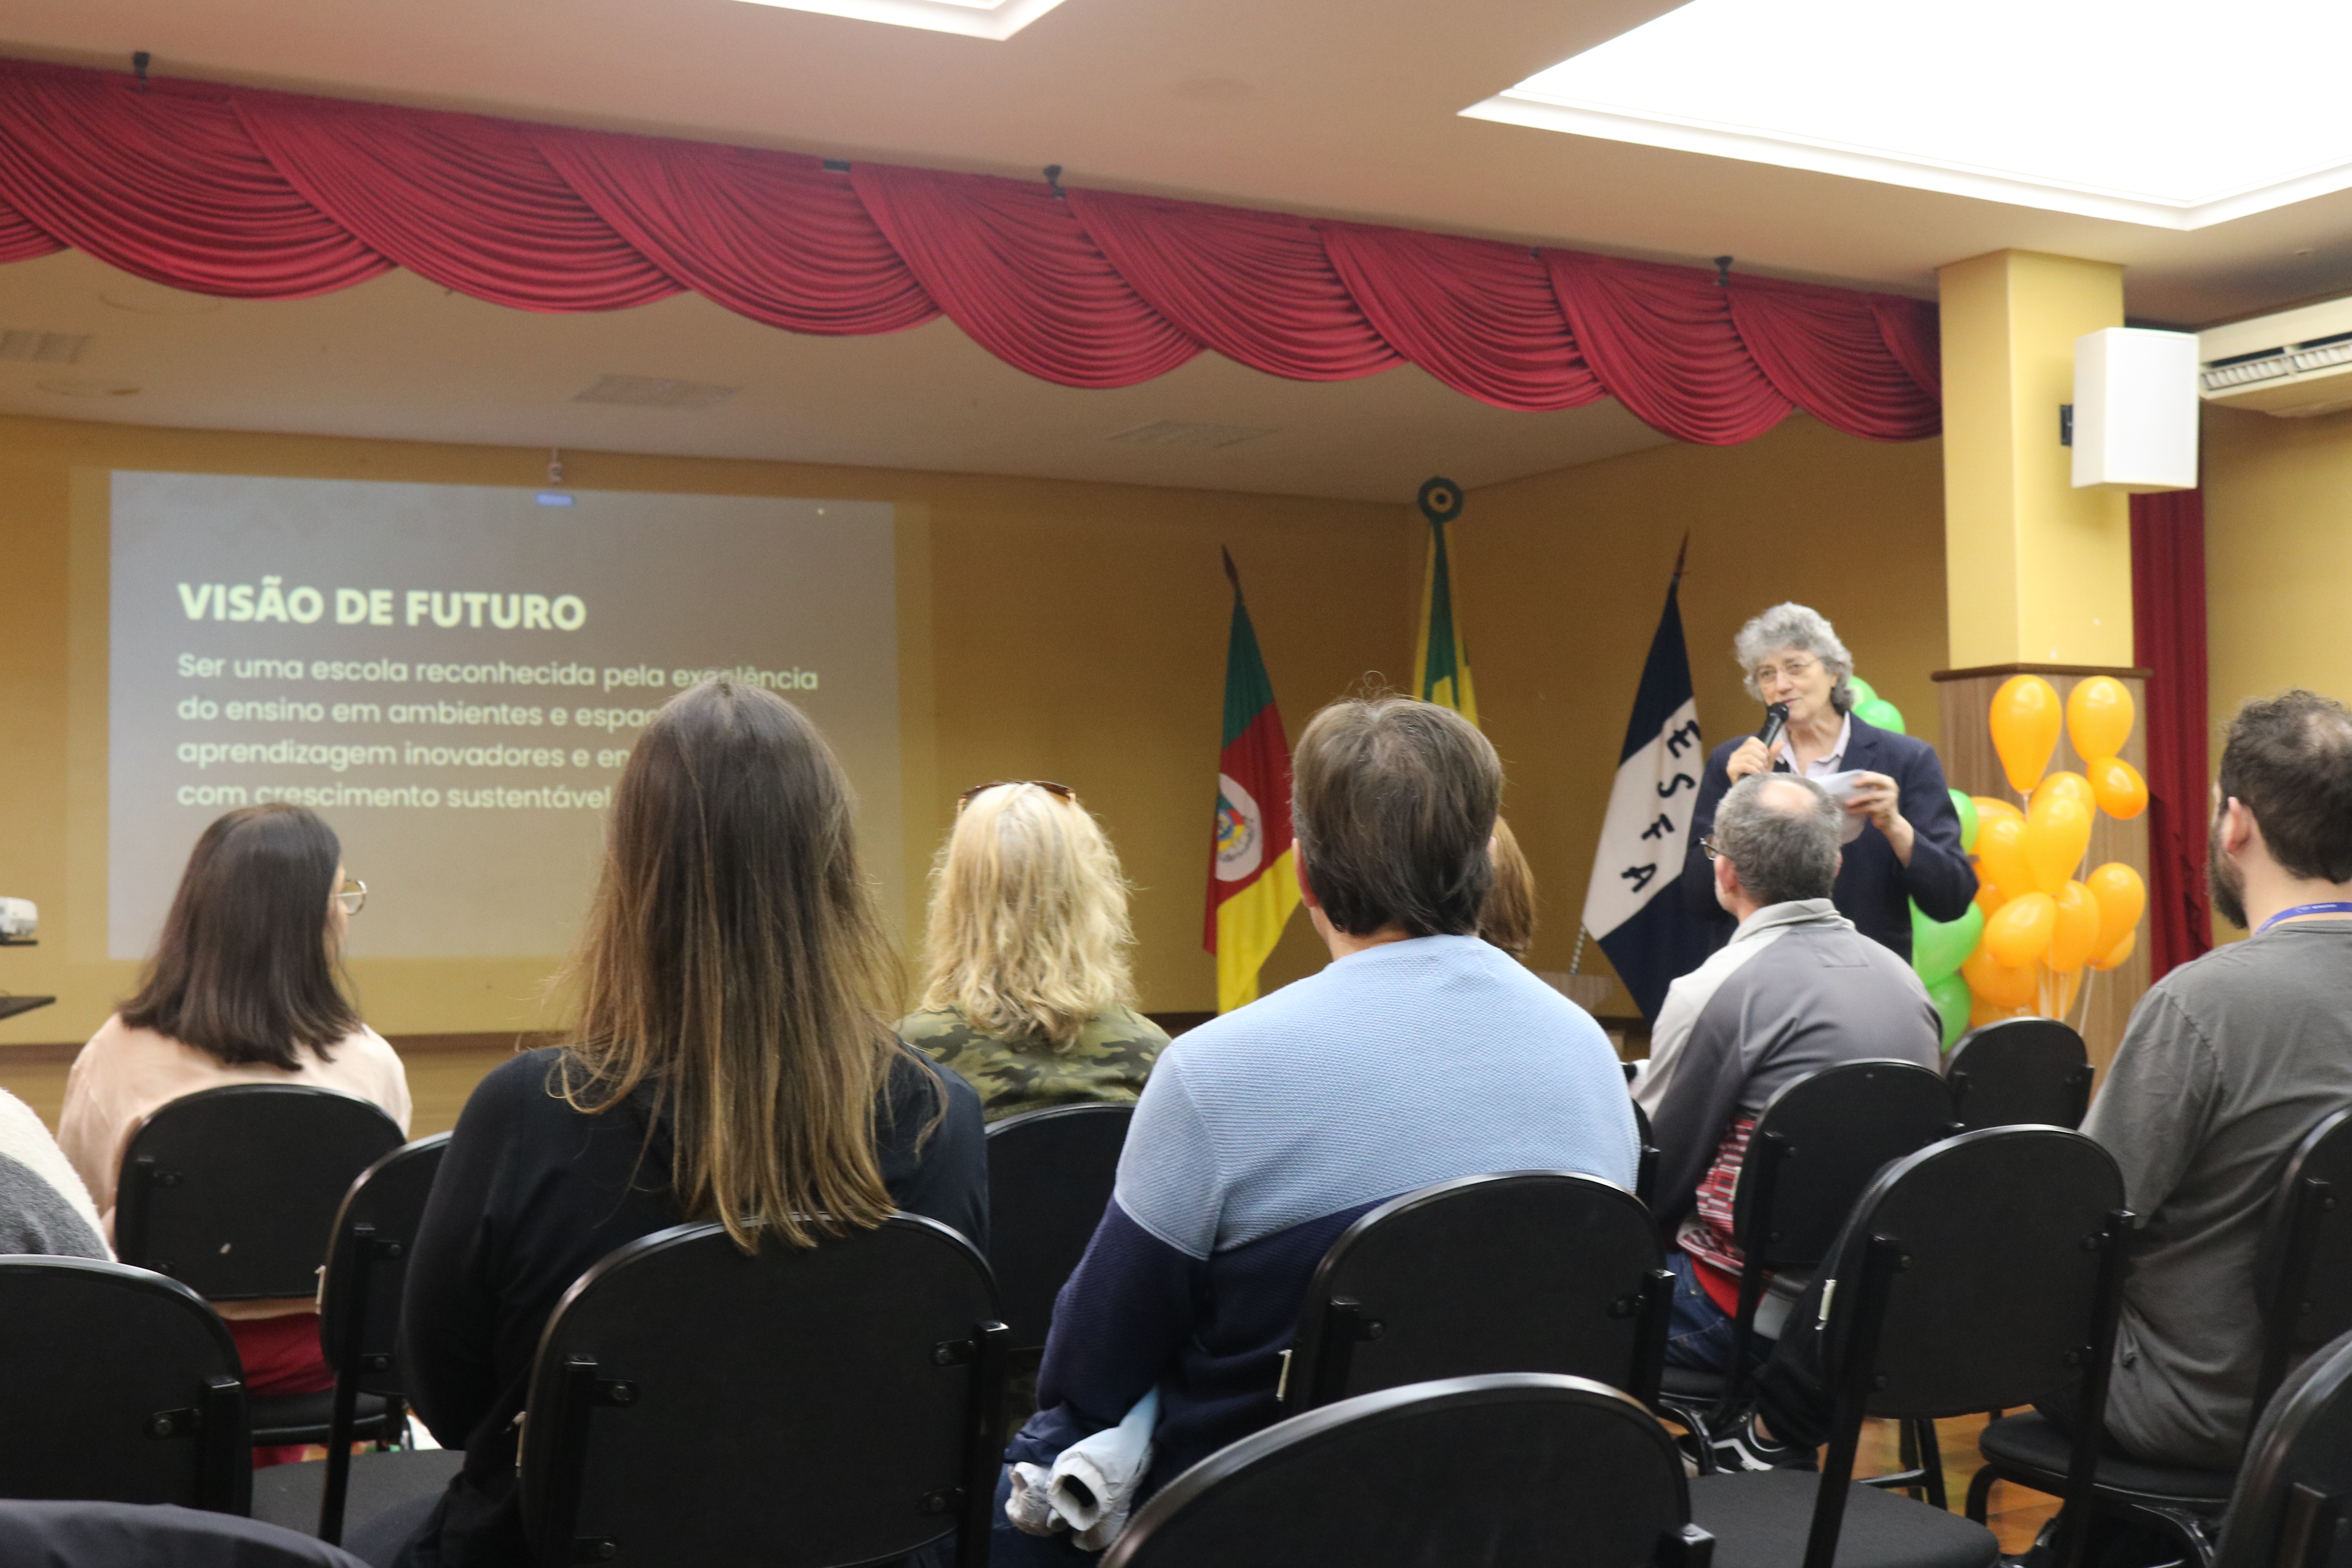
(1875, 890)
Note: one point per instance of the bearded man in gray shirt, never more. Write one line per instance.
(2228, 1062)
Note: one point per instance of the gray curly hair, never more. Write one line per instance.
(1801, 629)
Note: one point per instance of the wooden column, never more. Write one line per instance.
(1974, 768)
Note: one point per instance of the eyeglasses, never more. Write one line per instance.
(1058, 790)
(1710, 849)
(352, 895)
(1795, 669)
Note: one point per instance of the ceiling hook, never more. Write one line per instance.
(1723, 272)
(139, 67)
(1053, 179)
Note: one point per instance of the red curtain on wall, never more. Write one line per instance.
(270, 196)
(2168, 641)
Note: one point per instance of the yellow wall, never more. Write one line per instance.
(1074, 631)
(2278, 558)
(1559, 578)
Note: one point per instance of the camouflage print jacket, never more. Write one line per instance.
(1111, 1057)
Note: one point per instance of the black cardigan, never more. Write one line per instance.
(530, 1194)
(1874, 888)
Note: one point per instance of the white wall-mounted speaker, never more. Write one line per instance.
(2136, 409)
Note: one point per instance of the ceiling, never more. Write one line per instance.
(1327, 107)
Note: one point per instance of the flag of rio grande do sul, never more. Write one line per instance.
(1253, 866)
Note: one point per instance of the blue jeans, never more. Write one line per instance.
(1698, 1332)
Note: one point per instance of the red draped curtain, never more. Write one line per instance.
(2168, 641)
(270, 196)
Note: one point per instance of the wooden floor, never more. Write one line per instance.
(439, 1081)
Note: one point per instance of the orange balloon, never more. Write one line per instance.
(2025, 718)
(2000, 854)
(2120, 956)
(2076, 938)
(2122, 897)
(2118, 788)
(1992, 981)
(2063, 786)
(2057, 835)
(2099, 714)
(2021, 930)
(1988, 897)
(1991, 807)
(1981, 1011)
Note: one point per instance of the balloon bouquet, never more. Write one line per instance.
(2024, 947)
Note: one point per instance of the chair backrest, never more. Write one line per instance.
(1050, 1174)
(2293, 1495)
(2020, 1072)
(1524, 1271)
(232, 1191)
(113, 1534)
(367, 1263)
(2302, 1271)
(121, 1386)
(1645, 1169)
(1817, 1144)
(1511, 1467)
(691, 1404)
(1981, 1272)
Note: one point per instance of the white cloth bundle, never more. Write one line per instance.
(1091, 1487)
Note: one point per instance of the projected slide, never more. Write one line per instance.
(453, 676)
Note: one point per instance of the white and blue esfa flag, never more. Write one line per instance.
(1635, 907)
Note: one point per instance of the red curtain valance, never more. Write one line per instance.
(267, 196)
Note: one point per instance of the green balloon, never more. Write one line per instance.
(1938, 948)
(1968, 823)
(1950, 996)
(1863, 691)
(1880, 712)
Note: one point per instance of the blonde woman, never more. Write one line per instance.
(1028, 994)
(1508, 917)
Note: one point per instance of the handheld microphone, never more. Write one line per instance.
(1775, 718)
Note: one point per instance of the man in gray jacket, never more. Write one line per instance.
(1797, 989)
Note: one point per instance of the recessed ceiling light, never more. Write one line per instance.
(75, 386)
(1190, 433)
(2173, 113)
(43, 348)
(655, 392)
(997, 19)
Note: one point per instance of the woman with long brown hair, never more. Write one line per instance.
(731, 1060)
(244, 988)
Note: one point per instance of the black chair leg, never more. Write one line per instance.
(1981, 1493)
(1931, 1463)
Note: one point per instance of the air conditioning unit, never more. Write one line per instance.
(2296, 363)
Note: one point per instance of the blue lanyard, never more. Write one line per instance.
(2305, 909)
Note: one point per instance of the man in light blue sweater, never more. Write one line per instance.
(1420, 1055)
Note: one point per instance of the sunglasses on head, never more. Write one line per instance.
(1058, 790)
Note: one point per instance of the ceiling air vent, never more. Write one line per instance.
(43, 348)
(655, 392)
(1183, 433)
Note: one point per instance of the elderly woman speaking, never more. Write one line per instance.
(1903, 837)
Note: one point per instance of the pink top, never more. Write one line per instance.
(123, 1074)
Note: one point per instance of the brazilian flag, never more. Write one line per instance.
(1440, 664)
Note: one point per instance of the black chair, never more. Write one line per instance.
(1527, 1271)
(114, 1535)
(2302, 1292)
(2289, 1508)
(2020, 1072)
(1817, 1144)
(120, 1386)
(358, 1325)
(233, 1193)
(801, 1407)
(1508, 1470)
(1984, 1270)
(1049, 1179)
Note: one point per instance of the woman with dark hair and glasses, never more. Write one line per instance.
(1028, 992)
(244, 988)
(731, 1060)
